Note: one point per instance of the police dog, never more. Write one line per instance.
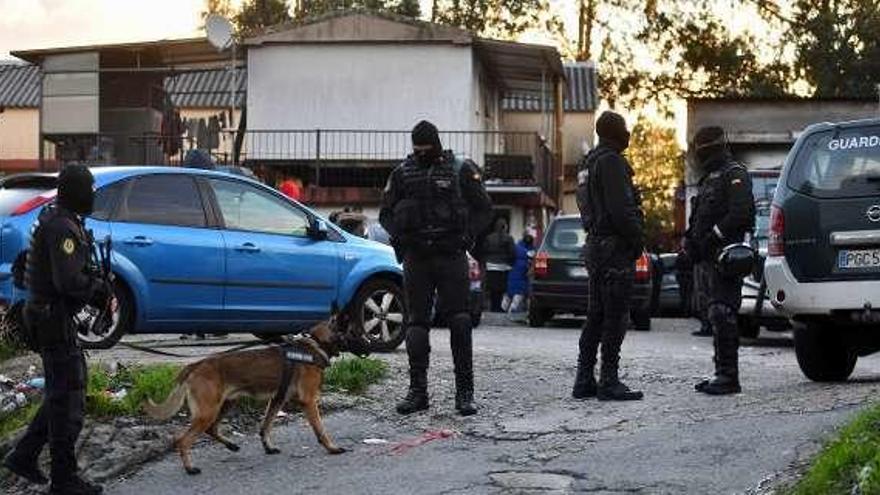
(208, 384)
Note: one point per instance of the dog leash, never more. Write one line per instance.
(152, 350)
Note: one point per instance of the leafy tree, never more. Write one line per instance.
(658, 163)
(495, 18)
(252, 16)
(837, 46)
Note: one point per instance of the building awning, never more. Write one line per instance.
(520, 67)
(180, 53)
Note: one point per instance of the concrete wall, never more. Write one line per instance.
(19, 134)
(361, 86)
(577, 128)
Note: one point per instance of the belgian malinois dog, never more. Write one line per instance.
(208, 384)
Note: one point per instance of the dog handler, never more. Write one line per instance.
(61, 281)
(434, 208)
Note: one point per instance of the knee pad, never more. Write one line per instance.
(418, 340)
(720, 314)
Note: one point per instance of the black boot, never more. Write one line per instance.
(75, 486)
(610, 386)
(585, 380)
(726, 379)
(26, 469)
(460, 340)
(418, 348)
(417, 397)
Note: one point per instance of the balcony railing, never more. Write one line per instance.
(323, 158)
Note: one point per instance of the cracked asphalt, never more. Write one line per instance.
(531, 437)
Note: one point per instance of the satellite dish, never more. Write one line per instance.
(219, 31)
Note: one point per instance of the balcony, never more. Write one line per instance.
(512, 161)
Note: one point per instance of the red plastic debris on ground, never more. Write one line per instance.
(402, 447)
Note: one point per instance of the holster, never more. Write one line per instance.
(49, 325)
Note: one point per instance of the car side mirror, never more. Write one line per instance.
(318, 229)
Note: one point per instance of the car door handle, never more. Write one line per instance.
(139, 241)
(248, 248)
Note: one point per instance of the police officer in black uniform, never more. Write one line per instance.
(61, 279)
(610, 208)
(435, 208)
(724, 212)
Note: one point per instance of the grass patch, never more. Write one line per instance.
(354, 374)
(850, 463)
(11, 422)
(139, 382)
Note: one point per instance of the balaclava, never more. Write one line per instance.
(76, 189)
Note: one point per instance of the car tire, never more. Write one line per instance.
(538, 316)
(373, 307)
(641, 319)
(747, 327)
(821, 356)
(123, 321)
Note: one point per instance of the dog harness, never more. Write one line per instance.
(300, 349)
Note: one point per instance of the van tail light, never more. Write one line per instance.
(643, 268)
(542, 265)
(776, 238)
(34, 203)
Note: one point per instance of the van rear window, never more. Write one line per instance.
(839, 164)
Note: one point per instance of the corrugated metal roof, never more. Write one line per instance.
(19, 86)
(205, 89)
(581, 94)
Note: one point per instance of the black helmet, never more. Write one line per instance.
(736, 260)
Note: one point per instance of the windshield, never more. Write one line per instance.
(565, 235)
(839, 164)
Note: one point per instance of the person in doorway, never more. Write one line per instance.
(500, 253)
(518, 279)
(435, 208)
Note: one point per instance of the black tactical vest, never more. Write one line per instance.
(432, 207)
(711, 202)
(38, 267)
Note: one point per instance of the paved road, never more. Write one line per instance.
(530, 437)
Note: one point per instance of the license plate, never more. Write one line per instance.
(578, 272)
(858, 258)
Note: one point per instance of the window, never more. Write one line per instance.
(245, 207)
(839, 164)
(105, 200)
(171, 199)
(566, 235)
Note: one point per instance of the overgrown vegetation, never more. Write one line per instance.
(354, 375)
(11, 422)
(139, 383)
(850, 463)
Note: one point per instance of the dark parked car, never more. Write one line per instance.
(559, 277)
(669, 299)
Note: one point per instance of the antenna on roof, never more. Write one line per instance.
(220, 33)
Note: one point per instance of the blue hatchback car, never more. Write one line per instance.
(199, 251)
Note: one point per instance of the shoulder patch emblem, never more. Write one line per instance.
(68, 246)
(736, 182)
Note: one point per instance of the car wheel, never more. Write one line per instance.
(122, 321)
(379, 312)
(748, 328)
(537, 316)
(641, 319)
(821, 354)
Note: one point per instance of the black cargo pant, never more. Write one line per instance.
(445, 273)
(610, 290)
(724, 300)
(60, 418)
